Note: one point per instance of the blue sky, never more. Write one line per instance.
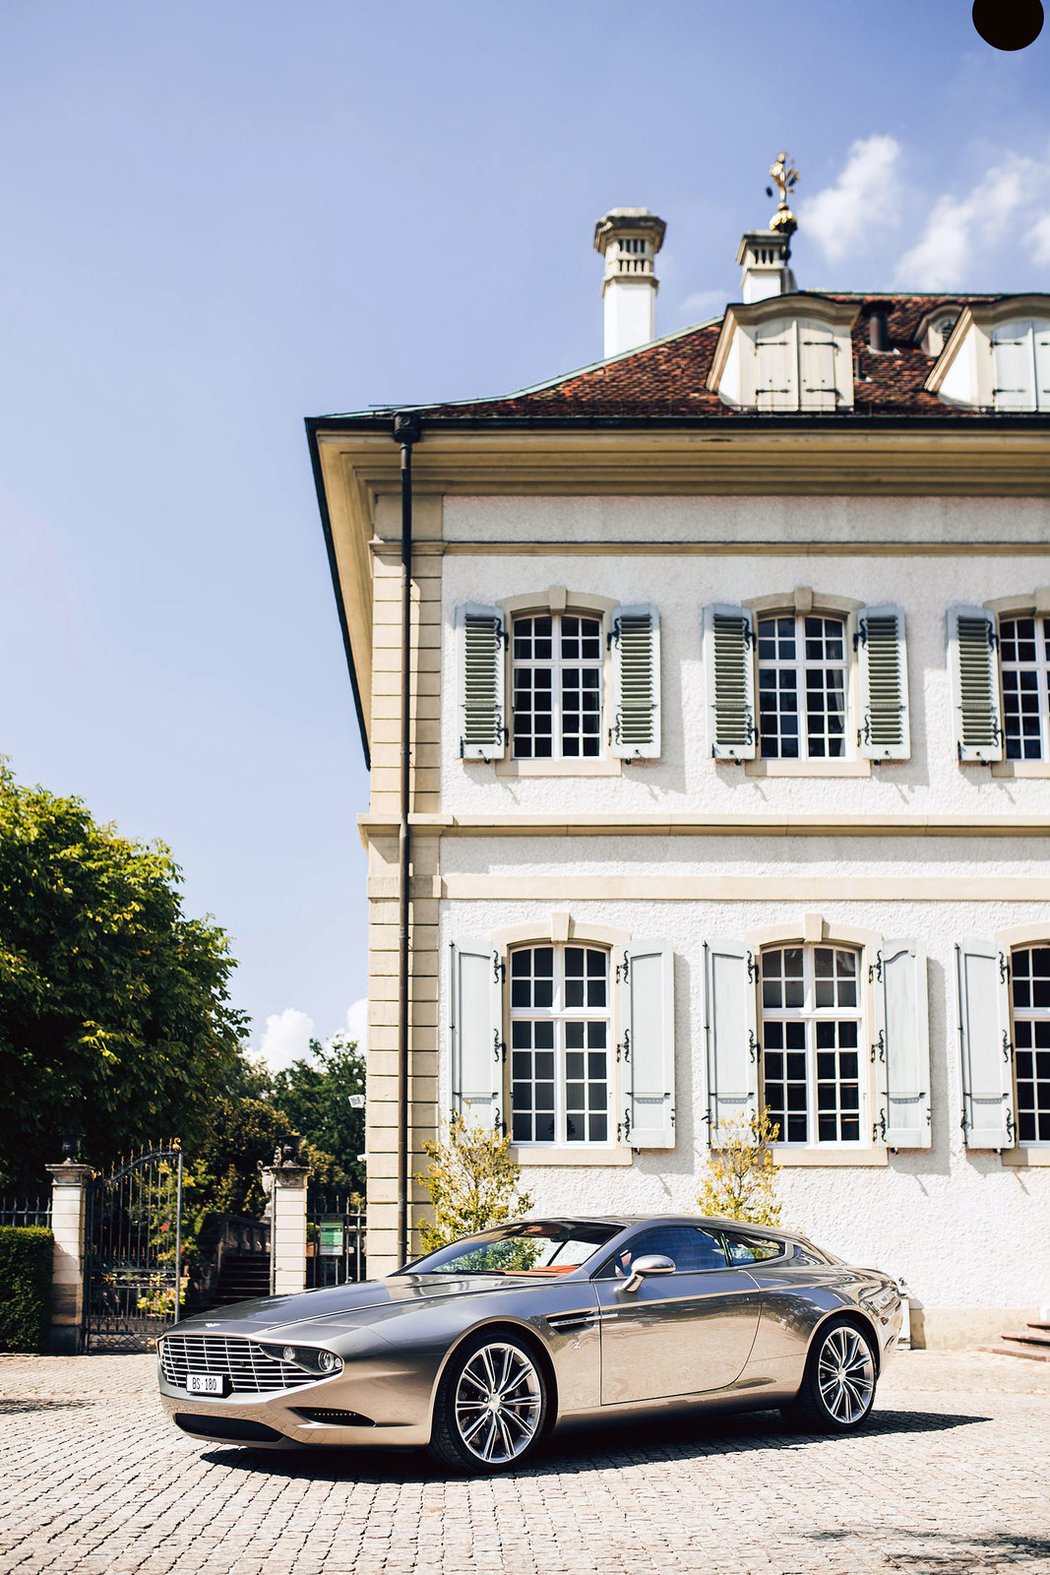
(221, 219)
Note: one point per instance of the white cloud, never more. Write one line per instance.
(1038, 238)
(957, 226)
(286, 1038)
(867, 192)
(357, 1023)
(704, 303)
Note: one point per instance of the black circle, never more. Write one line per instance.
(1008, 24)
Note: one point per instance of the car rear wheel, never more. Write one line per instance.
(491, 1406)
(839, 1386)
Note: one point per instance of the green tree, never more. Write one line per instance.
(115, 1017)
(472, 1182)
(739, 1181)
(316, 1094)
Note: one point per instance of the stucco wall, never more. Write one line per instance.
(964, 1229)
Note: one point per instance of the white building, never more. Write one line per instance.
(730, 712)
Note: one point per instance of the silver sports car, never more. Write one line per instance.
(479, 1349)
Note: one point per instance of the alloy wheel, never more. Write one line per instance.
(846, 1375)
(498, 1403)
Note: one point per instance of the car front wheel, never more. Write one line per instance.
(491, 1406)
(839, 1386)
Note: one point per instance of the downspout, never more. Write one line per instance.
(406, 432)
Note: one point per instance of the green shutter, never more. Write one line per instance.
(636, 665)
(984, 1039)
(884, 730)
(477, 1033)
(973, 664)
(902, 1045)
(729, 664)
(646, 1051)
(730, 974)
(482, 638)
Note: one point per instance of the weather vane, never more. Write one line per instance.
(785, 178)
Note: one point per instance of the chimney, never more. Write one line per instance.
(766, 254)
(629, 239)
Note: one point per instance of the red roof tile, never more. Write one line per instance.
(669, 377)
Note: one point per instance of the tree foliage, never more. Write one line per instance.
(115, 1019)
(316, 1094)
(472, 1182)
(740, 1178)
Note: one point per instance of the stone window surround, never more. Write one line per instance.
(565, 930)
(1028, 605)
(1020, 936)
(803, 599)
(814, 930)
(557, 599)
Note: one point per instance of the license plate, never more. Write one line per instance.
(206, 1384)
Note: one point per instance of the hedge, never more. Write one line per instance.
(25, 1287)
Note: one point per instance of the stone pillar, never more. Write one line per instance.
(287, 1188)
(68, 1211)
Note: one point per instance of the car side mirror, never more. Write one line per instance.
(650, 1263)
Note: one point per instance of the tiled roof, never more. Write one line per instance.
(669, 376)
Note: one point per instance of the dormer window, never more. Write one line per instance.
(1021, 370)
(997, 356)
(787, 353)
(938, 330)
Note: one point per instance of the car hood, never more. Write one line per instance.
(342, 1306)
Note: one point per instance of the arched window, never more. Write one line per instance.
(1030, 996)
(810, 1025)
(560, 1034)
(556, 674)
(802, 687)
(1024, 652)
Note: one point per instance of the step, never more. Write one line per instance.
(1031, 1335)
(1028, 1353)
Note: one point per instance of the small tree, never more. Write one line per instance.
(740, 1179)
(472, 1182)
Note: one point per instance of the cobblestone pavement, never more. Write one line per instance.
(950, 1478)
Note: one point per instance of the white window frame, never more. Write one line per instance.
(557, 665)
(1025, 1014)
(799, 664)
(560, 1014)
(811, 1015)
(1042, 672)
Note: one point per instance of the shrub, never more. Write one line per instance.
(472, 1182)
(740, 1179)
(25, 1287)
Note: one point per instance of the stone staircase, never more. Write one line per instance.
(1032, 1343)
(243, 1276)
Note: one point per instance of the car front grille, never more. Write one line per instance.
(250, 1368)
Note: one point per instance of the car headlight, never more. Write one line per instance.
(323, 1363)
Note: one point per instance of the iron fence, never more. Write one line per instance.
(335, 1241)
(26, 1211)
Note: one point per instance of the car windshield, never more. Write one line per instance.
(527, 1248)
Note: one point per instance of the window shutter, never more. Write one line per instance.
(478, 1049)
(482, 637)
(730, 975)
(1042, 366)
(1013, 369)
(974, 667)
(776, 383)
(646, 975)
(816, 353)
(885, 733)
(987, 1080)
(636, 662)
(902, 1044)
(729, 663)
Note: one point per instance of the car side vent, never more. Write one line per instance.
(320, 1413)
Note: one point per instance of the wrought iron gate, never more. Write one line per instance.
(133, 1252)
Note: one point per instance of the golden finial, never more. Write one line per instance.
(785, 178)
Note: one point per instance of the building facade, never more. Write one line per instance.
(730, 771)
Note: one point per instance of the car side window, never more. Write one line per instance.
(689, 1249)
(752, 1249)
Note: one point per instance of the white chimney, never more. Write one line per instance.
(767, 271)
(629, 239)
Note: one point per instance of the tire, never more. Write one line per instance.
(838, 1388)
(491, 1407)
